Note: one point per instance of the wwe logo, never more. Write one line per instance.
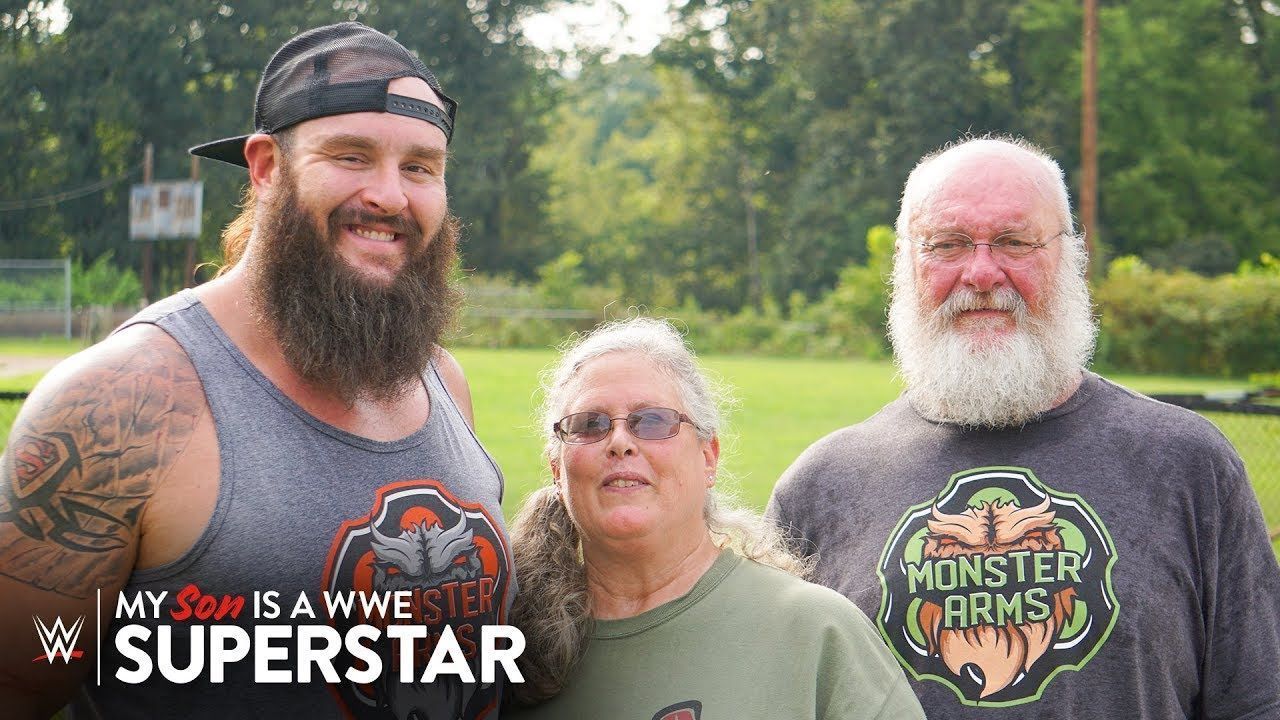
(59, 640)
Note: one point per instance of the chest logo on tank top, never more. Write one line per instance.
(996, 585)
(687, 710)
(450, 560)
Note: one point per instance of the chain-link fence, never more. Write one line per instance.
(36, 293)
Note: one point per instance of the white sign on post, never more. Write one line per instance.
(169, 209)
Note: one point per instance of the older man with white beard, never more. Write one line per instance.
(1032, 539)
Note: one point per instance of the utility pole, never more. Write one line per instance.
(189, 268)
(147, 160)
(1089, 131)
(747, 186)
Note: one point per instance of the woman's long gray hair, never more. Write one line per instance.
(553, 608)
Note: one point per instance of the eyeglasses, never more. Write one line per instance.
(1011, 247)
(592, 426)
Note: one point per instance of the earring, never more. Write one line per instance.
(711, 480)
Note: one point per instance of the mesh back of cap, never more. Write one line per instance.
(332, 70)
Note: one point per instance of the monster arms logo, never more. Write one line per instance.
(450, 557)
(996, 586)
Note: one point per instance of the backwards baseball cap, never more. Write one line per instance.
(334, 70)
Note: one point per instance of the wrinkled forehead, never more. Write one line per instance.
(984, 192)
(626, 372)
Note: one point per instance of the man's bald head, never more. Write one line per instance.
(959, 162)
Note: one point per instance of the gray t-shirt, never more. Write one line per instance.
(1109, 560)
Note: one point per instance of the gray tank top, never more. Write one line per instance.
(305, 507)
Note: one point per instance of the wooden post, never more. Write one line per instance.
(747, 186)
(147, 160)
(189, 268)
(1089, 131)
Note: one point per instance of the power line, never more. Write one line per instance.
(54, 199)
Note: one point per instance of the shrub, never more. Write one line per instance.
(1152, 320)
(1180, 322)
(102, 283)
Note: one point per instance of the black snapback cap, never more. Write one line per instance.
(334, 70)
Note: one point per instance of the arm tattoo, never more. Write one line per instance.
(82, 464)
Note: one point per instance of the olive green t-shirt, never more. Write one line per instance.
(748, 641)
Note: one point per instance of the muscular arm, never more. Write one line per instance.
(84, 456)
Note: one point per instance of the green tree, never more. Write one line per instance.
(125, 73)
(633, 162)
(838, 98)
(1187, 150)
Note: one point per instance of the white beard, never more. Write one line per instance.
(976, 380)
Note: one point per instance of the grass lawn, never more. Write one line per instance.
(39, 347)
(20, 383)
(784, 404)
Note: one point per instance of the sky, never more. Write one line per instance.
(623, 26)
(601, 23)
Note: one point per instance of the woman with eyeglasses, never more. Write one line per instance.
(643, 593)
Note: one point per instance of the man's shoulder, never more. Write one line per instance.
(455, 382)
(133, 353)
(1160, 423)
(450, 369)
(86, 453)
(140, 345)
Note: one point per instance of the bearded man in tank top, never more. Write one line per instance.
(289, 429)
